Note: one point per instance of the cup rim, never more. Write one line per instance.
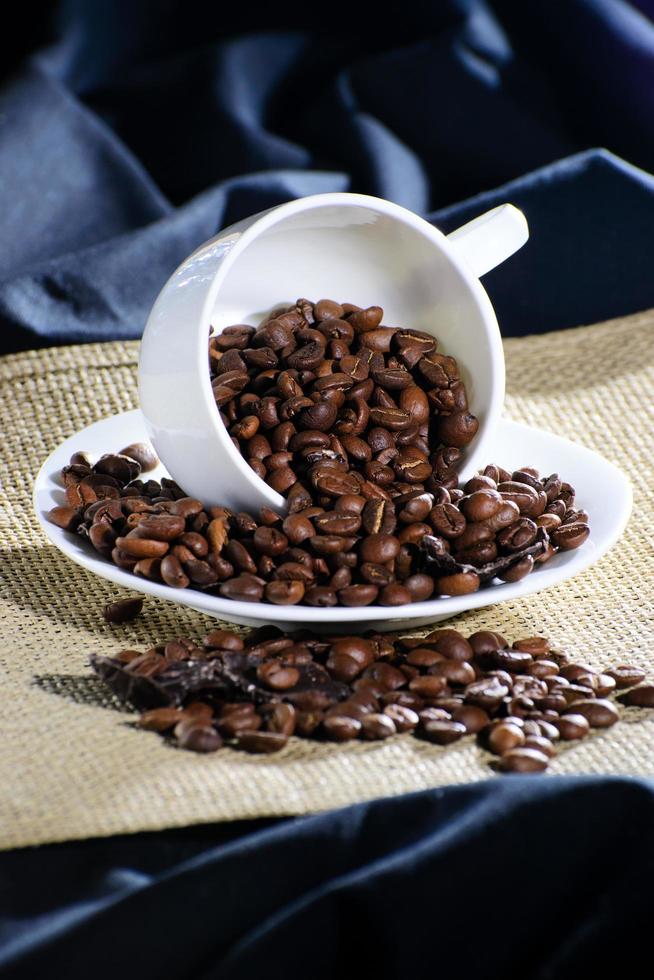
(273, 216)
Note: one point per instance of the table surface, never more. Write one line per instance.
(71, 762)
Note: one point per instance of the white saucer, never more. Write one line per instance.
(602, 489)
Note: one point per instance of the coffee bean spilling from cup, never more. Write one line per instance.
(253, 693)
(345, 541)
(321, 398)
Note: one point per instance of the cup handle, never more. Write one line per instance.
(491, 238)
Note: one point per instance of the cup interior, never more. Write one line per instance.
(360, 254)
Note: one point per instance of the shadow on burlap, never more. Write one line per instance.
(72, 764)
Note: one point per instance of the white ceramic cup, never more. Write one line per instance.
(347, 247)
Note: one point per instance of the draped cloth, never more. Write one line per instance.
(524, 877)
(144, 128)
(139, 129)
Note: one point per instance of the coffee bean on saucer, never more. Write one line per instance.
(362, 428)
(143, 454)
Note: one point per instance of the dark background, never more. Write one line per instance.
(130, 132)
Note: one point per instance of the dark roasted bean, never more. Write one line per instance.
(260, 742)
(443, 732)
(639, 697)
(199, 737)
(124, 610)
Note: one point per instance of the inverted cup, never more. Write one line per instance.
(349, 247)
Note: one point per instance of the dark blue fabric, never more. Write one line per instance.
(522, 877)
(130, 132)
(142, 128)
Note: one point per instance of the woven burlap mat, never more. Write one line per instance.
(71, 763)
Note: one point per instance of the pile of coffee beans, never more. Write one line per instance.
(323, 400)
(359, 545)
(518, 699)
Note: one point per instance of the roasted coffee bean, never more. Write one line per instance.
(336, 522)
(378, 517)
(639, 697)
(173, 574)
(394, 594)
(457, 429)
(123, 610)
(341, 728)
(67, 518)
(539, 743)
(284, 593)
(358, 595)
(269, 541)
(375, 726)
(454, 672)
(223, 640)
(443, 732)
(626, 675)
(427, 686)
(598, 712)
(120, 467)
(570, 536)
(281, 718)
(420, 587)
(524, 760)
(486, 642)
(451, 644)
(379, 548)
(200, 738)
(386, 676)
(160, 719)
(260, 742)
(486, 693)
(277, 676)
(447, 520)
(405, 719)
(297, 529)
(242, 588)
(572, 726)
(235, 718)
(505, 737)
(481, 505)
(473, 718)
(460, 583)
